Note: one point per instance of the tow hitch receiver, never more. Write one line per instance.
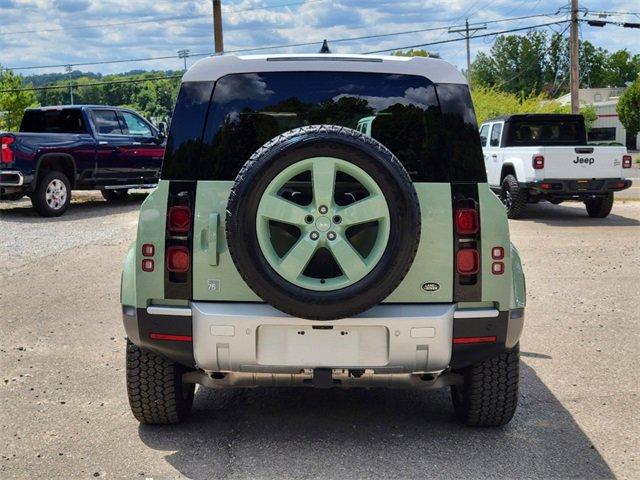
(322, 377)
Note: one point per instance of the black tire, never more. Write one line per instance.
(154, 385)
(116, 195)
(489, 396)
(39, 197)
(348, 145)
(599, 207)
(513, 197)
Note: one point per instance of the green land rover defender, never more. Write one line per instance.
(323, 220)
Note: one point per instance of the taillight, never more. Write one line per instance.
(497, 253)
(467, 261)
(148, 250)
(178, 259)
(147, 265)
(6, 155)
(179, 219)
(626, 160)
(538, 162)
(466, 221)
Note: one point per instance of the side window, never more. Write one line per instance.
(496, 131)
(106, 122)
(135, 126)
(484, 134)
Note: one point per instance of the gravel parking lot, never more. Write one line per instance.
(65, 414)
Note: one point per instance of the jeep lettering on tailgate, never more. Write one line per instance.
(585, 160)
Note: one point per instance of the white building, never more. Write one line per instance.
(607, 127)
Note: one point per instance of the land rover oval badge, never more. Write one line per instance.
(430, 286)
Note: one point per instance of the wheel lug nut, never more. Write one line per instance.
(323, 209)
(314, 235)
(331, 235)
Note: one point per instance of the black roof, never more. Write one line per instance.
(535, 116)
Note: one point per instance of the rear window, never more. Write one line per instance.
(431, 129)
(551, 131)
(68, 120)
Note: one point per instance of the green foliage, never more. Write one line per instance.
(415, 53)
(149, 96)
(538, 63)
(629, 107)
(590, 115)
(12, 104)
(489, 103)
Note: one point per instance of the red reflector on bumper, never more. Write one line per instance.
(463, 340)
(166, 336)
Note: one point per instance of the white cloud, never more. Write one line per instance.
(247, 26)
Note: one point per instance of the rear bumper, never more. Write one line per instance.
(387, 339)
(576, 188)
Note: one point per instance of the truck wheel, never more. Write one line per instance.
(323, 222)
(490, 393)
(115, 195)
(52, 195)
(513, 197)
(154, 385)
(599, 207)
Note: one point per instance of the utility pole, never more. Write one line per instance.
(467, 33)
(217, 27)
(573, 52)
(69, 69)
(184, 54)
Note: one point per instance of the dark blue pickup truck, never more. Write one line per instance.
(78, 147)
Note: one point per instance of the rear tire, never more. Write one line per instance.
(52, 195)
(489, 396)
(117, 195)
(156, 392)
(513, 197)
(599, 207)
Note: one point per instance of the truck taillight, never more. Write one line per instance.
(179, 219)
(7, 153)
(626, 160)
(466, 221)
(538, 162)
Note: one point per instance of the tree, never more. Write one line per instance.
(629, 108)
(415, 53)
(13, 103)
(490, 102)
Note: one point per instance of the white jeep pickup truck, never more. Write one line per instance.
(533, 157)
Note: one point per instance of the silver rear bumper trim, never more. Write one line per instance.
(171, 311)
(19, 178)
(476, 313)
(388, 338)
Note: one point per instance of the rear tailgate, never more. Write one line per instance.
(585, 162)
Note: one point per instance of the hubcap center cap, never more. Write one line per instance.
(323, 224)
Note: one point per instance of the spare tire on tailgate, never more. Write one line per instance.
(323, 222)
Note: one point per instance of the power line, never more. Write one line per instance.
(275, 47)
(154, 20)
(477, 36)
(91, 84)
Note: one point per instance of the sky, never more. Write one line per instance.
(56, 32)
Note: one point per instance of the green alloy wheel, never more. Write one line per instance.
(323, 222)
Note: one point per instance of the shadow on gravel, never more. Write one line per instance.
(566, 216)
(306, 433)
(22, 212)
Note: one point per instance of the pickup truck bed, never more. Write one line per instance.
(78, 148)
